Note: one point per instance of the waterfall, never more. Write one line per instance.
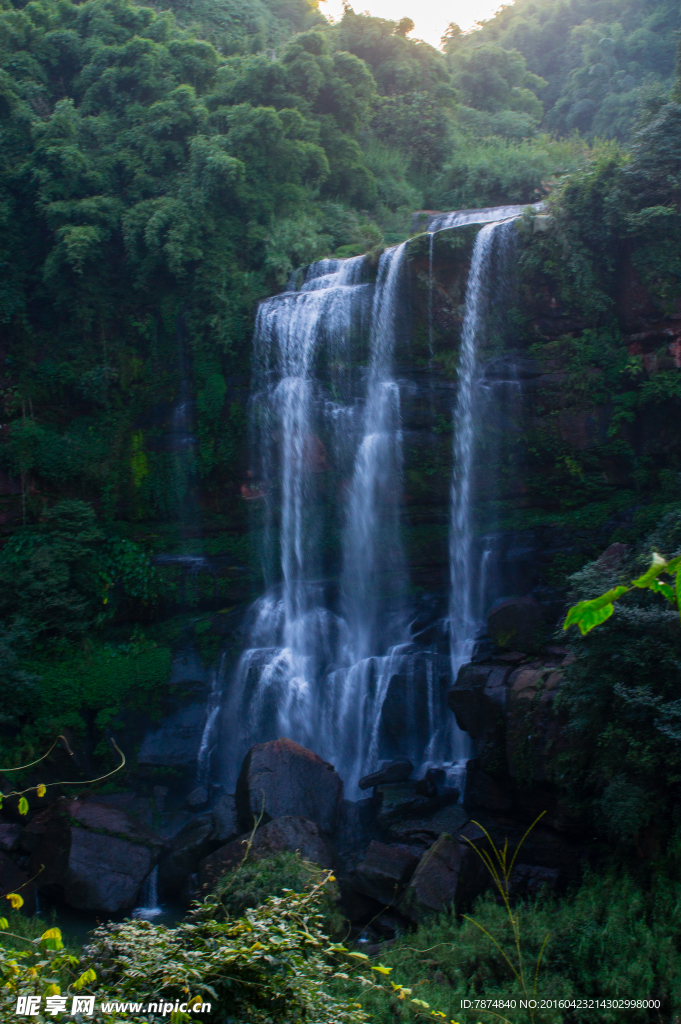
(330, 661)
(467, 571)
(333, 666)
(149, 907)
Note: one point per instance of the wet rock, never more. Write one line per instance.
(225, 820)
(449, 873)
(290, 832)
(12, 879)
(478, 700)
(425, 830)
(398, 800)
(385, 871)
(197, 798)
(9, 836)
(95, 855)
(281, 778)
(389, 771)
(433, 783)
(517, 625)
(176, 742)
(191, 845)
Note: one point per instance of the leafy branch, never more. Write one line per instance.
(587, 614)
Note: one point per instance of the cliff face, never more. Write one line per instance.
(579, 443)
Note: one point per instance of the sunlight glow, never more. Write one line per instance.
(430, 17)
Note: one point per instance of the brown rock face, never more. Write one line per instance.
(287, 833)
(96, 855)
(283, 778)
(533, 732)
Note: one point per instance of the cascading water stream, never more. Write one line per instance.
(468, 578)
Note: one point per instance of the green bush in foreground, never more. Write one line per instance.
(610, 939)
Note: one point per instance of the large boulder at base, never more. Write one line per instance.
(12, 879)
(518, 625)
(389, 771)
(449, 873)
(385, 871)
(282, 778)
(190, 845)
(287, 833)
(96, 856)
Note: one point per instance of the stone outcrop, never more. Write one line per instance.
(449, 874)
(385, 870)
(282, 778)
(95, 856)
(191, 845)
(390, 771)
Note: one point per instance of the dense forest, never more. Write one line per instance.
(163, 169)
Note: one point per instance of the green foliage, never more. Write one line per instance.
(273, 960)
(90, 690)
(493, 171)
(250, 884)
(606, 62)
(58, 577)
(620, 696)
(18, 688)
(37, 965)
(612, 935)
(492, 79)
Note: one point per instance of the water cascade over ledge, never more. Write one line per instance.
(332, 659)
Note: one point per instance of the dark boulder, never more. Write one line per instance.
(478, 699)
(385, 871)
(449, 874)
(425, 830)
(282, 778)
(225, 820)
(399, 800)
(389, 771)
(197, 798)
(518, 625)
(190, 845)
(94, 855)
(286, 833)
